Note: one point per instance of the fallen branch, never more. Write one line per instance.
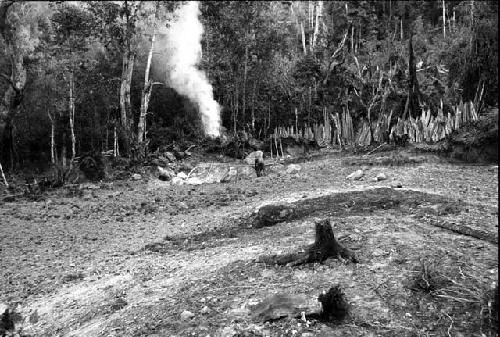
(378, 147)
(324, 247)
(467, 231)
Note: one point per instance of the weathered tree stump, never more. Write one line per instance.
(324, 247)
(330, 306)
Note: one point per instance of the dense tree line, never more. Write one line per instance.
(75, 76)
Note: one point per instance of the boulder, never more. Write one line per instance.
(250, 159)
(292, 168)
(136, 176)
(177, 181)
(182, 175)
(381, 176)
(193, 181)
(231, 175)
(186, 315)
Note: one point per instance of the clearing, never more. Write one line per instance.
(128, 258)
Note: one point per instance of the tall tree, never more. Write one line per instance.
(19, 28)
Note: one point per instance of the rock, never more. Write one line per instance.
(193, 181)
(177, 181)
(250, 159)
(356, 175)
(231, 175)
(3, 307)
(292, 168)
(165, 174)
(186, 315)
(182, 205)
(381, 176)
(268, 215)
(182, 175)
(170, 156)
(136, 176)
(396, 184)
(205, 310)
(378, 252)
(227, 332)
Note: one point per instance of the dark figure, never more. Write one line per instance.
(259, 167)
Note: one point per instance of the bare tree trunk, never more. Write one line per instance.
(401, 29)
(319, 10)
(303, 38)
(3, 176)
(444, 19)
(13, 93)
(125, 105)
(352, 40)
(63, 151)
(72, 115)
(145, 96)
(245, 72)
(253, 104)
(52, 137)
(116, 151)
(236, 106)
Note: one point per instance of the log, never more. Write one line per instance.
(325, 246)
(467, 231)
(329, 306)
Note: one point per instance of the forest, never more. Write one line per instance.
(87, 76)
(248, 168)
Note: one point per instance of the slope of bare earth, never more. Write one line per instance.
(126, 259)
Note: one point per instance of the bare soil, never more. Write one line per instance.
(128, 258)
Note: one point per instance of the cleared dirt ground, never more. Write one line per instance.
(127, 258)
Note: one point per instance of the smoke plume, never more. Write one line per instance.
(184, 53)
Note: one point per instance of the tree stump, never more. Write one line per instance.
(324, 247)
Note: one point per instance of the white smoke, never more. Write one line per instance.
(184, 53)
